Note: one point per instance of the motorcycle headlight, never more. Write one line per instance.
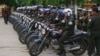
(36, 25)
(39, 27)
(85, 32)
(43, 31)
(56, 18)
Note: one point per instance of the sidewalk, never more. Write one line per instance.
(9, 43)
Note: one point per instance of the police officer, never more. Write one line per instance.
(67, 30)
(84, 19)
(79, 17)
(94, 29)
(7, 11)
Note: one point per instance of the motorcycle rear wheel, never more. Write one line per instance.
(82, 49)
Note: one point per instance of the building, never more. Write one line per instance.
(1, 6)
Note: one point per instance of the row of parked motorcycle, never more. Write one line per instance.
(39, 36)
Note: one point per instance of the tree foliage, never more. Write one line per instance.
(45, 2)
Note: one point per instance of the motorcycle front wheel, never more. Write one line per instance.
(36, 49)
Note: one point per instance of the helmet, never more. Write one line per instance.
(68, 11)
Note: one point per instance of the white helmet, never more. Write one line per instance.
(68, 10)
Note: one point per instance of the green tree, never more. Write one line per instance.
(96, 1)
(45, 2)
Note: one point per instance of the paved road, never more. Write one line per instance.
(10, 45)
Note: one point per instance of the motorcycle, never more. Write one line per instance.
(75, 44)
(39, 32)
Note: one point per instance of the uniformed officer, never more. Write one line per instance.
(94, 29)
(84, 19)
(7, 11)
(67, 30)
(79, 17)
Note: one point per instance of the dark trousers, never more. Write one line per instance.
(6, 19)
(94, 42)
(64, 37)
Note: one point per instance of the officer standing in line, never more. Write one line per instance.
(84, 20)
(79, 17)
(67, 30)
(7, 11)
(94, 29)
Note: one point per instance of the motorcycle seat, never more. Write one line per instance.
(77, 35)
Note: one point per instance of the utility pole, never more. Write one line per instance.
(75, 12)
(75, 8)
(71, 3)
(66, 3)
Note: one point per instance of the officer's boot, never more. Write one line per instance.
(63, 54)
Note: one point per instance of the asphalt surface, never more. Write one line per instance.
(10, 45)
